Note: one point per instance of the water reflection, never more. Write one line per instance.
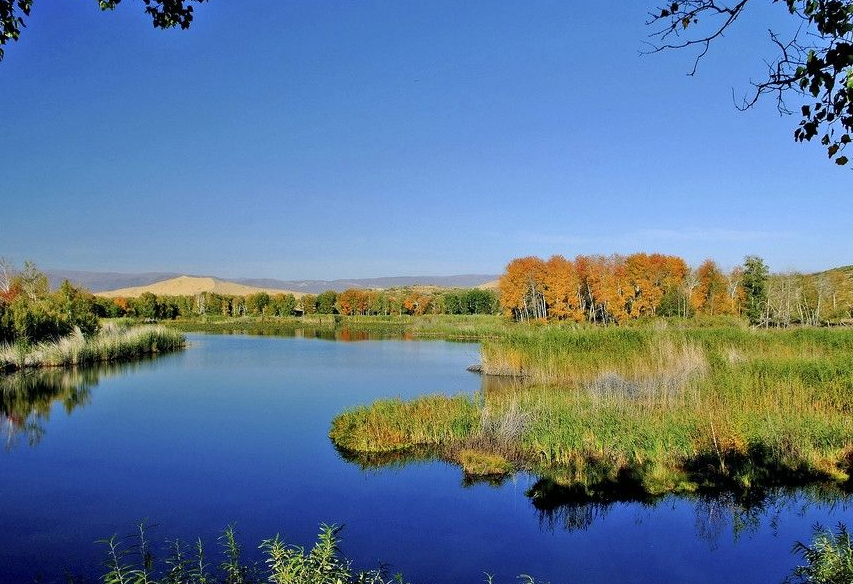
(27, 398)
(345, 334)
(715, 513)
(718, 511)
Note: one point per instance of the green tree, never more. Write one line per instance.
(309, 304)
(326, 302)
(31, 282)
(257, 303)
(282, 305)
(145, 306)
(814, 65)
(106, 308)
(479, 301)
(76, 307)
(7, 324)
(164, 14)
(755, 278)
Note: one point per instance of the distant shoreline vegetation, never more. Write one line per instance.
(62, 328)
(401, 302)
(608, 290)
(617, 289)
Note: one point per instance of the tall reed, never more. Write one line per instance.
(112, 343)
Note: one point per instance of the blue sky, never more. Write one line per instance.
(368, 138)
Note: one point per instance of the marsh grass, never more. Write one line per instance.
(114, 343)
(664, 408)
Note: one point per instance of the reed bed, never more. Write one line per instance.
(667, 408)
(112, 344)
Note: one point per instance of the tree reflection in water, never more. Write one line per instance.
(716, 513)
(27, 398)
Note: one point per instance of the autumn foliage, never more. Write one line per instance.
(616, 288)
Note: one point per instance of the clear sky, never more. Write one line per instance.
(363, 138)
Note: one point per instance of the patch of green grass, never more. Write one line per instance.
(392, 425)
(674, 408)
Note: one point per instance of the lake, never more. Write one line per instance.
(234, 430)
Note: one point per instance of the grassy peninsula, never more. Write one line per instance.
(666, 406)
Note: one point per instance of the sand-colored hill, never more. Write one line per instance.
(491, 285)
(190, 286)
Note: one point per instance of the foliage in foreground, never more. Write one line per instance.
(829, 558)
(135, 563)
(813, 64)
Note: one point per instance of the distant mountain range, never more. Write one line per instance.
(112, 281)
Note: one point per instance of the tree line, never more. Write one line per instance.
(351, 302)
(598, 289)
(616, 288)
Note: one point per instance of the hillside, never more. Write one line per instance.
(845, 270)
(190, 286)
(316, 286)
(112, 281)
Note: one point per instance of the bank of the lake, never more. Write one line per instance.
(112, 343)
(645, 410)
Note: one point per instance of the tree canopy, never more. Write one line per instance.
(813, 65)
(163, 13)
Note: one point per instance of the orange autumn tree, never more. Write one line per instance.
(617, 288)
(562, 290)
(710, 296)
(348, 302)
(522, 289)
(417, 303)
(607, 287)
(122, 304)
(603, 289)
(652, 276)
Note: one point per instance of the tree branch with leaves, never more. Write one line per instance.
(164, 14)
(813, 65)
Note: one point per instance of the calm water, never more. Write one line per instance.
(234, 429)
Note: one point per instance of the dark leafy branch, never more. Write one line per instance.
(163, 13)
(814, 64)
